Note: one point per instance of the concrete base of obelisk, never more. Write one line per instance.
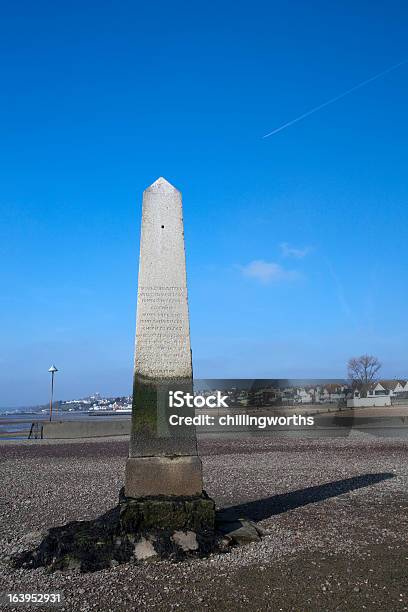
(166, 493)
(170, 476)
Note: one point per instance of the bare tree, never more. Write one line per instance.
(362, 371)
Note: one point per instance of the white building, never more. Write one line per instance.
(388, 387)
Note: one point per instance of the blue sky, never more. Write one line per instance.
(296, 244)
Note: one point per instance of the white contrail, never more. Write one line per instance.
(332, 100)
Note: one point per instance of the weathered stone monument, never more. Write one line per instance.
(163, 460)
(163, 464)
(163, 510)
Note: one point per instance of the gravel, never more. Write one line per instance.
(334, 513)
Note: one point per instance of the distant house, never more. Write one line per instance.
(388, 387)
(267, 396)
(303, 396)
(323, 395)
(330, 393)
(335, 392)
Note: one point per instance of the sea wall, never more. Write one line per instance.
(360, 402)
(86, 429)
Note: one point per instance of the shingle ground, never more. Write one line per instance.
(335, 512)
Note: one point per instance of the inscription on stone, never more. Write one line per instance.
(163, 351)
(162, 337)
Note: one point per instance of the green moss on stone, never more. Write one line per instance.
(197, 514)
(144, 407)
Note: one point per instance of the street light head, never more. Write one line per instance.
(53, 369)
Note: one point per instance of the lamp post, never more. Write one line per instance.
(52, 369)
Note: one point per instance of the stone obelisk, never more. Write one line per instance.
(163, 459)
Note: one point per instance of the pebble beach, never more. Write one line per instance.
(334, 514)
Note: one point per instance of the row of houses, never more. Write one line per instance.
(316, 394)
(335, 393)
(393, 388)
(330, 393)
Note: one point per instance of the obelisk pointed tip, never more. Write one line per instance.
(161, 184)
